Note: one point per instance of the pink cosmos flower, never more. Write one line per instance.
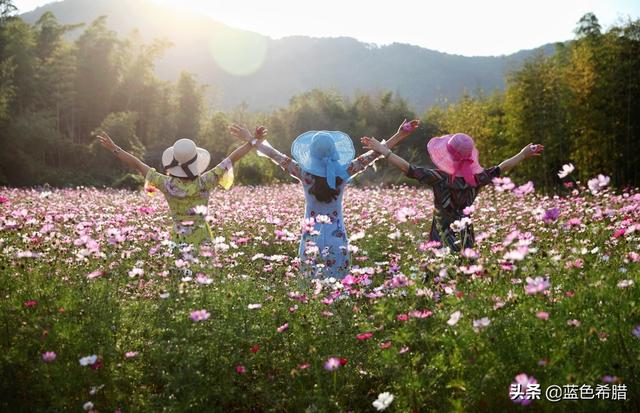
(30, 303)
(420, 314)
(542, 315)
(402, 317)
(404, 214)
(240, 369)
(518, 392)
(49, 356)
(332, 364)
(536, 285)
(200, 315)
(131, 354)
(364, 336)
(283, 327)
(525, 189)
(95, 274)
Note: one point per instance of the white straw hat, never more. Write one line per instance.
(185, 160)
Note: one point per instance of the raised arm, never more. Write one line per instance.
(125, 157)
(286, 163)
(526, 152)
(382, 149)
(360, 163)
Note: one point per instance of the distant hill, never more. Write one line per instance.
(265, 73)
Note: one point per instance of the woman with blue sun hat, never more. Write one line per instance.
(324, 162)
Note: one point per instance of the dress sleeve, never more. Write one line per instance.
(427, 176)
(221, 174)
(362, 162)
(289, 165)
(156, 180)
(485, 177)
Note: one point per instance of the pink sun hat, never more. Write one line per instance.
(456, 155)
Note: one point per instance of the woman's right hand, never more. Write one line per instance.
(240, 132)
(106, 141)
(374, 144)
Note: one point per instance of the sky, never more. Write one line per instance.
(467, 27)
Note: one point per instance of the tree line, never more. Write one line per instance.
(581, 103)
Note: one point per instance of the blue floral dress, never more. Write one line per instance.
(324, 246)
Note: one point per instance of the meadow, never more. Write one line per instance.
(101, 312)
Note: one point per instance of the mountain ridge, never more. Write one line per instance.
(264, 73)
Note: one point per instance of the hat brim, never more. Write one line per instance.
(301, 152)
(196, 168)
(437, 149)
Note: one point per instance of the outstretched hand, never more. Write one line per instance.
(261, 132)
(406, 128)
(240, 132)
(106, 141)
(374, 144)
(532, 150)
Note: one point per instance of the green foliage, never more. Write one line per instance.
(581, 103)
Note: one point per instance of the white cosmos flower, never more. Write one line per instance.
(481, 324)
(566, 170)
(598, 183)
(383, 401)
(88, 360)
(455, 317)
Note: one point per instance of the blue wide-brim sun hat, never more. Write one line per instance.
(324, 153)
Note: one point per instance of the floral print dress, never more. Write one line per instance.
(324, 245)
(188, 202)
(449, 201)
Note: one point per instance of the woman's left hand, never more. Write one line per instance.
(406, 128)
(532, 150)
(261, 132)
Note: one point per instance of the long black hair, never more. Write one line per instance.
(320, 189)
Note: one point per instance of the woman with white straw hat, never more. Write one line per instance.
(323, 161)
(186, 185)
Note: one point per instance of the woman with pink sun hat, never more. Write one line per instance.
(455, 181)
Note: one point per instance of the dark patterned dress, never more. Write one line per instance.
(324, 246)
(449, 200)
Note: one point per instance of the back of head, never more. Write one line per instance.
(321, 190)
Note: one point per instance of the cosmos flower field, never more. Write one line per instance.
(101, 312)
